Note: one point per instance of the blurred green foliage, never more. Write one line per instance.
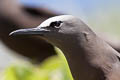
(53, 68)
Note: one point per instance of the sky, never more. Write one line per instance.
(97, 13)
(83, 8)
(87, 6)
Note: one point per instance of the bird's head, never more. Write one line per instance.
(57, 28)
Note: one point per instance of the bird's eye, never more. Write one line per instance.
(56, 24)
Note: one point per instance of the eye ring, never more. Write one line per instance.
(56, 24)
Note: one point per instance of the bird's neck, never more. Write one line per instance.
(85, 58)
(79, 64)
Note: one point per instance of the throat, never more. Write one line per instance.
(80, 66)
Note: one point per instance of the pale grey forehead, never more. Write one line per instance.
(56, 18)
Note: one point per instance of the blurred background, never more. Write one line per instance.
(31, 58)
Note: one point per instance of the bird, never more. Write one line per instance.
(89, 57)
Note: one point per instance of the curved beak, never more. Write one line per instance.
(31, 31)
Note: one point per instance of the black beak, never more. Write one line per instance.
(30, 31)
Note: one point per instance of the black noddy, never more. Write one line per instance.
(89, 57)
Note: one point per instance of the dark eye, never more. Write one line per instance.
(56, 24)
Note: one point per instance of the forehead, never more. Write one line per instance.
(56, 18)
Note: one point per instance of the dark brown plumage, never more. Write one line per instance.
(89, 57)
(15, 16)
